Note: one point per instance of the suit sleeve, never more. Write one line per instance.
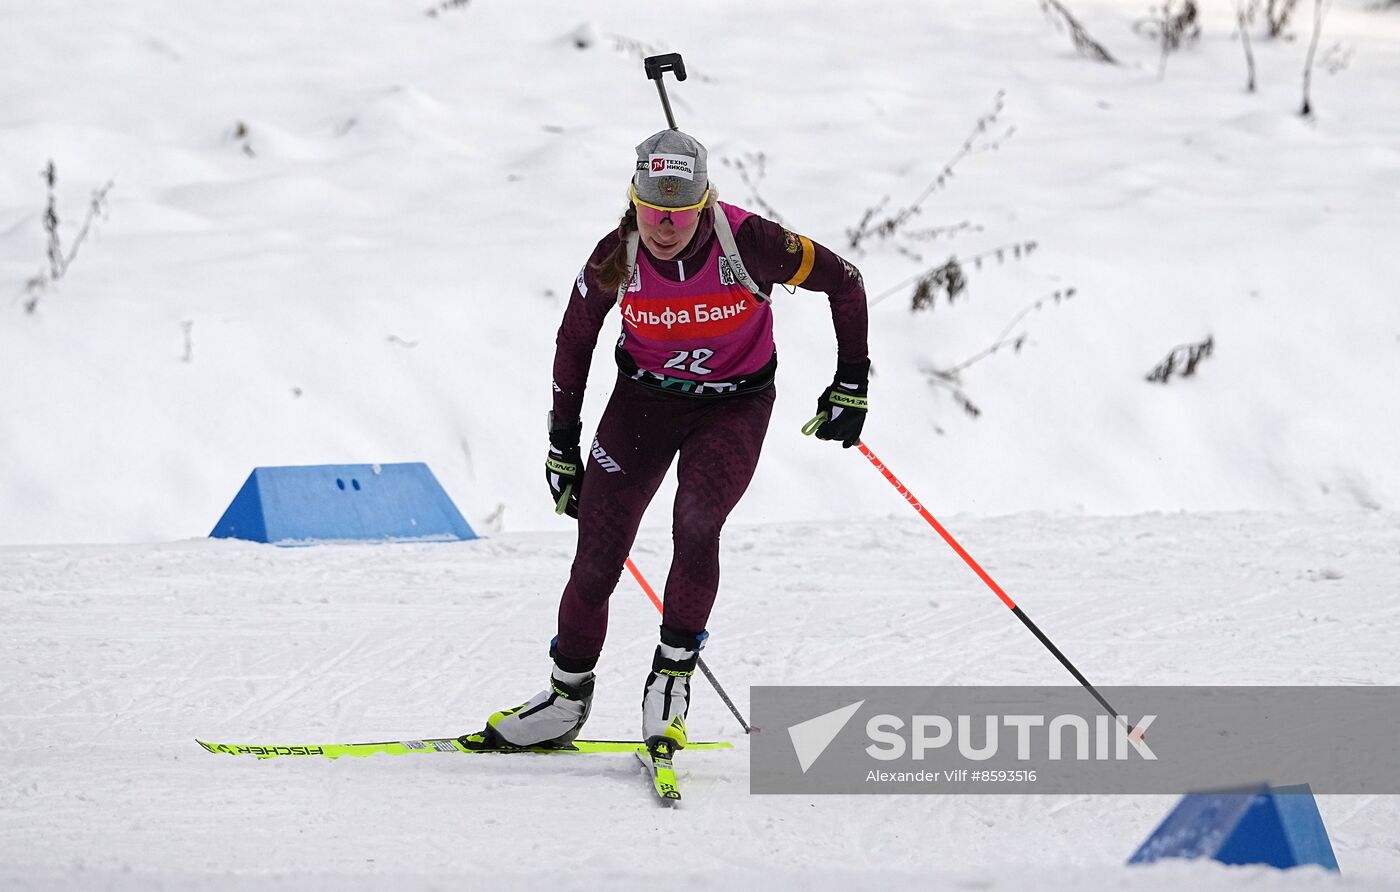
(589, 303)
(776, 256)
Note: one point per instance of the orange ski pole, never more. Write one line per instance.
(986, 577)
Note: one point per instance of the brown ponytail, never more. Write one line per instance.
(612, 269)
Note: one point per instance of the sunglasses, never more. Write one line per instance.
(655, 214)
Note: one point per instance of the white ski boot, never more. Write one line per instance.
(552, 718)
(666, 696)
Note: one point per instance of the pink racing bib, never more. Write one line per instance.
(708, 328)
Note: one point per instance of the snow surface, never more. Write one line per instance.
(344, 232)
(121, 655)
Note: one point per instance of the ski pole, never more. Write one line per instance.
(651, 593)
(982, 574)
(985, 577)
(656, 67)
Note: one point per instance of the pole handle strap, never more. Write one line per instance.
(560, 466)
(811, 427)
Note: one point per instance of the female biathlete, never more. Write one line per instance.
(696, 362)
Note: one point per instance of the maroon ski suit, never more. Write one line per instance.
(696, 370)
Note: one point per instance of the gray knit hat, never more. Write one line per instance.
(671, 170)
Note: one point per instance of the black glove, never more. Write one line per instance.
(841, 408)
(563, 468)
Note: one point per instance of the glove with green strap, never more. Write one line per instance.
(841, 408)
(563, 467)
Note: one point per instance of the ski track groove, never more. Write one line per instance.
(309, 674)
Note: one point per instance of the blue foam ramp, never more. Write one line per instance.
(306, 504)
(1278, 826)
